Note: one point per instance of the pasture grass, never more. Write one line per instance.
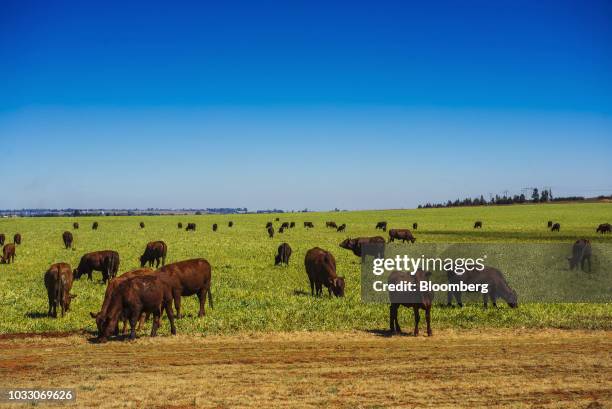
(251, 294)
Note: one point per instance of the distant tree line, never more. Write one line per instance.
(537, 196)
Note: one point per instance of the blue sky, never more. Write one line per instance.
(301, 104)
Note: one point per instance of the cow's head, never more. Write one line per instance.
(573, 262)
(512, 299)
(67, 301)
(103, 325)
(143, 261)
(277, 259)
(347, 244)
(76, 274)
(337, 286)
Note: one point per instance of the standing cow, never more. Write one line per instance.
(8, 253)
(94, 226)
(604, 228)
(75, 225)
(58, 281)
(285, 225)
(401, 234)
(154, 253)
(331, 224)
(478, 224)
(105, 261)
(549, 224)
(180, 225)
(414, 226)
(581, 254)
(497, 286)
(418, 300)
(321, 269)
(142, 225)
(382, 226)
(191, 227)
(556, 227)
(291, 225)
(67, 238)
(341, 228)
(187, 278)
(356, 244)
(2, 239)
(17, 238)
(214, 227)
(283, 255)
(270, 232)
(308, 224)
(230, 224)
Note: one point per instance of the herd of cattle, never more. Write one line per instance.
(135, 295)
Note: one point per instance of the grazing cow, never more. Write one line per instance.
(401, 234)
(277, 219)
(356, 244)
(133, 297)
(112, 285)
(556, 227)
(331, 224)
(602, 228)
(180, 225)
(321, 270)
(284, 252)
(191, 227)
(270, 231)
(549, 224)
(215, 227)
(342, 227)
(268, 225)
(154, 252)
(581, 253)
(478, 224)
(291, 225)
(418, 300)
(285, 225)
(497, 286)
(187, 278)
(382, 226)
(142, 225)
(17, 238)
(308, 224)
(2, 239)
(414, 226)
(8, 253)
(58, 281)
(75, 225)
(94, 226)
(105, 261)
(67, 237)
(281, 230)
(230, 224)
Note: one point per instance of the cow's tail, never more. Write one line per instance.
(210, 300)
(59, 294)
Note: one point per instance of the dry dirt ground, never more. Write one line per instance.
(497, 368)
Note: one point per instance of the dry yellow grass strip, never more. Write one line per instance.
(500, 368)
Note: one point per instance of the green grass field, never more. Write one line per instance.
(251, 294)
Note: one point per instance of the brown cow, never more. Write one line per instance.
(67, 237)
(497, 286)
(154, 252)
(285, 225)
(281, 230)
(191, 227)
(308, 224)
(110, 288)
(581, 254)
(58, 281)
(180, 225)
(75, 225)
(321, 270)
(549, 224)
(382, 226)
(8, 253)
(2, 239)
(401, 234)
(356, 244)
(94, 226)
(556, 227)
(284, 253)
(187, 278)
(142, 225)
(604, 228)
(214, 227)
(268, 225)
(270, 231)
(106, 261)
(277, 219)
(478, 224)
(341, 228)
(291, 225)
(331, 224)
(17, 238)
(416, 299)
(414, 226)
(132, 298)
(230, 224)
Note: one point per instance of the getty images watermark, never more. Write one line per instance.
(458, 266)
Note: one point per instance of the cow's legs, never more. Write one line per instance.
(177, 303)
(393, 322)
(458, 298)
(133, 322)
(312, 288)
(417, 318)
(485, 300)
(428, 319)
(202, 298)
(141, 321)
(156, 319)
(170, 314)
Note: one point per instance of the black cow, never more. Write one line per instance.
(416, 299)
(497, 286)
(285, 225)
(308, 224)
(284, 252)
(291, 225)
(17, 238)
(556, 227)
(180, 225)
(549, 224)
(230, 224)
(94, 226)
(268, 225)
(2, 239)
(581, 254)
(154, 253)
(355, 245)
(382, 226)
(478, 224)
(277, 219)
(342, 227)
(191, 227)
(75, 225)
(142, 225)
(270, 231)
(281, 230)
(214, 227)
(414, 226)
(67, 238)
(331, 224)
(604, 228)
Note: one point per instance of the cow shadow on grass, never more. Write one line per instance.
(37, 315)
(301, 293)
(385, 333)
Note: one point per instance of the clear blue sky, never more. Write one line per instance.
(294, 104)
